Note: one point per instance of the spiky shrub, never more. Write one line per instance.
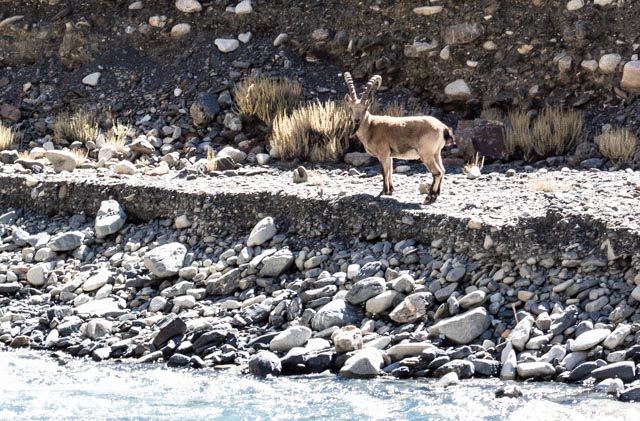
(80, 156)
(548, 185)
(117, 136)
(266, 98)
(619, 144)
(8, 137)
(394, 109)
(518, 136)
(491, 114)
(315, 132)
(211, 163)
(79, 126)
(556, 131)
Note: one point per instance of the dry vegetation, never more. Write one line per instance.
(491, 114)
(394, 109)
(478, 161)
(316, 132)
(80, 155)
(548, 185)
(211, 163)
(267, 98)
(117, 136)
(554, 132)
(8, 137)
(619, 144)
(80, 126)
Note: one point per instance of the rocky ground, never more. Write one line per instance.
(282, 301)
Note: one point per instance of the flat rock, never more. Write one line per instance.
(404, 350)
(367, 288)
(110, 218)
(364, 364)
(92, 79)
(66, 241)
(165, 261)
(290, 338)
(624, 370)
(107, 307)
(227, 45)
(225, 285)
(96, 281)
(463, 328)
(427, 10)
(383, 302)
(262, 232)
(61, 160)
(589, 339)
(10, 288)
(336, 313)
(169, 327)
(535, 369)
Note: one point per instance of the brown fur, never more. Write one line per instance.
(385, 138)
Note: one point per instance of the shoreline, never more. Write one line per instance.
(164, 283)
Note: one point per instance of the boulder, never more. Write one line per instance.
(364, 364)
(262, 232)
(623, 370)
(412, 308)
(589, 339)
(484, 137)
(110, 218)
(61, 160)
(292, 337)
(463, 328)
(276, 264)
(336, 313)
(535, 369)
(165, 261)
(367, 288)
(265, 363)
(347, 339)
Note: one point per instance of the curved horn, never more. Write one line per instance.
(373, 84)
(350, 86)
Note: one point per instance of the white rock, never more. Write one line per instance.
(157, 304)
(96, 281)
(616, 338)
(602, 2)
(182, 222)
(37, 275)
(101, 308)
(509, 363)
(382, 302)
(474, 173)
(404, 350)
(575, 5)
(263, 231)
(520, 334)
(609, 63)
(535, 369)
(263, 158)
(463, 328)
(109, 219)
(427, 10)
(188, 6)
(92, 79)
(136, 5)
(124, 167)
(589, 339)
(237, 155)
(166, 260)
(97, 328)
(244, 7)
(290, 338)
(589, 65)
(280, 39)
(489, 46)
(245, 37)
(158, 21)
(458, 89)
(347, 339)
(227, 45)
(61, 160)
(366, 363)
(631, 76)
(184, 301)
(445, 53)
(180, 30)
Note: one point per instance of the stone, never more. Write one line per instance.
(420, 49)
(449, 379)
(165, 261)
(97, 328)
(463, 328)
(519, 336)
(280, 39)
(66, 241)
(263, 158)
(631, 76)
(574, 5)
(236, 154)
(463, 368)
(589, 65)
(404, 350)
(528, 370)
(96, 281)
(180, 30)
(616, 338)
(125, 168)
(427, 10)
(589, 339)
(347, 339)
(37, 275)
(292, 337)
(262, 232)
(456, 274)
(264, 364)
(383, 302)
(188, 6)
(472, 299)
(227, 45)
(184, 301)
(10, 112)
(630, 395)
(364, 364)
(602, 2)
(412, 308)
(226, 284)
(484, 137)
(624, 370)
(458, 90)
(157, 304)
(109, 219)
(486, 367)
(245, 37)
(336, 313)
(358, 159)
(61, 160)
(10, 288)
(277, 263)
(463, 33)
(182, 222)
(205, 109)
(92, 79)
(244, 7)
(101, 308)
(509, 362)
(20, 341)
(609, 63)
(169, 327)
(367, 288)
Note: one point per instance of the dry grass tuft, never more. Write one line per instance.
(267, 98)
(478, 161)
(24, 155)
(8, 137)
(316, 132)
(211, 164)
(518, 136)
(548, 185)
(491, 114)
(394, 109)
(80, 126)
(556, 131)
(80, 156)
(117, 136)
(619, 144)
(316, 178)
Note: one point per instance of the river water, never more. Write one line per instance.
(35, 386)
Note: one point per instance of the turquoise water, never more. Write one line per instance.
(35, 386)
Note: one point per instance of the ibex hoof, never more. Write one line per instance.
(430, 199)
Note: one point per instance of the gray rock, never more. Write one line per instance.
(37, 275)
(630, 395)
(566, 319)
(165, 261)
(463, 368)
(463, 328)
(265, 363)
(367, 288)
(292, 337)
(110, 218)
(616, 338)
(412, 308)
(10, 288)
(96, 281)
(262, 232)
(226, 45)
(236, 154)
(412, 349)
(624, 370)
(383, 302)
(276, 264)
(225, 285)
(358, 159)
(520, 334)
(101, 308)
(169, 327)
(336, 313)
(582, 371)
(456, 274)
(486, 367)
(61, 160)
(463, 33)
(528, 370)
(472, 299)
(589, 339)
(205, 109)
(92, 79)
(66, 241)
(364, 364)
(188, 6)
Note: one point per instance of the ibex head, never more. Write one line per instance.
(359, 106)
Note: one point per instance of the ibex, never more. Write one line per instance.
(385, 137)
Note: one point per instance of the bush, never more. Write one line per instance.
(8, 137)
(619, 144)
(80, 126)
(267, 98)
(491, 114)
(116, 136)
(518, 136)
(316, 132)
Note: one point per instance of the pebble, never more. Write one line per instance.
(92, 79)
(227, 45)
(180, 30)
